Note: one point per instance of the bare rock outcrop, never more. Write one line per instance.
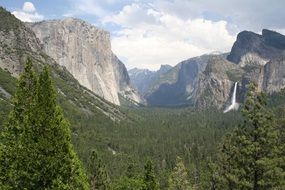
(85, 51)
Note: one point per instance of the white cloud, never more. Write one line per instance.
(28, 13)
(150, 37)
(131, 16)
(248, 15)
(29, 7)
(153, 32)
(28, 17)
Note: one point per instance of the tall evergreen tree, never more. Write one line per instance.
(251, 157)
(15, 146)
(36, 150)
(150, 179)
(178, 180)
(99, 177)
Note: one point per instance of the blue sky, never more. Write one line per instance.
(148, 33)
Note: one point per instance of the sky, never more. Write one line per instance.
(149, 33)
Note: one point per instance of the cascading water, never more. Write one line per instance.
(234, 105)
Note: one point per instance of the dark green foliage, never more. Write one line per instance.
(99, 177)
(36, 150)
(131, 180)
(178, 180)
(126, 183)
(7, 82)
(157, 133)
(5, 108)
(150, 179)
(8, 21)
(251, 157)
(234, 74)
(251, 67)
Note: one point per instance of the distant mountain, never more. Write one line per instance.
(208, 80)
(143, 78)
(176, 86)
(255, 48)
(253, 58)
(215, 84)
(85, 51)
(88, 75)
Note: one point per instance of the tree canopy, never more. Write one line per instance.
(251, 156)
(36, 150)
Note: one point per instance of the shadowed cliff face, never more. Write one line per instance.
(176, 86)
(86, 53)
(216, 83)
(254, 58)
(208, 81)
(175, 93)
(251, 47)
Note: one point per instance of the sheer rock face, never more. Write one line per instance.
(215, 85)
(254, 58)
(208, 81)
(274, 77)
(177, 85)
(86, 53)
(257, 49)
(262, 59)
(269, 78)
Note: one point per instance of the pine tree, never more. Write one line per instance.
(150, 180)
(99, 177)
(36, 150)
(15, 146)
(126, 183)
(251, 157)
(178, 179)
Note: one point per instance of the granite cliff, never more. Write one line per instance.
(208, 80)
(85, 51)
(176, 86)
(17, 43)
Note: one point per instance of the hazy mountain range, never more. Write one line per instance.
(208, 80)
(83, 53)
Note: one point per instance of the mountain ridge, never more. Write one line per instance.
(18, 43)
(85, 51)
(209, 81)
(143, 78)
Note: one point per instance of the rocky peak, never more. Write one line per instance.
(252, 48)
(176, 86)
(274, 39)
(164, 69)
(246, 42)
(85, 51)
(144, 78)
(16, 42)
(137, 71)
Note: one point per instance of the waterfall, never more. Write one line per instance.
(234, 105)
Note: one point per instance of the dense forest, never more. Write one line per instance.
(44, 146)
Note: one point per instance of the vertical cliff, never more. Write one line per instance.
(85, 51)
